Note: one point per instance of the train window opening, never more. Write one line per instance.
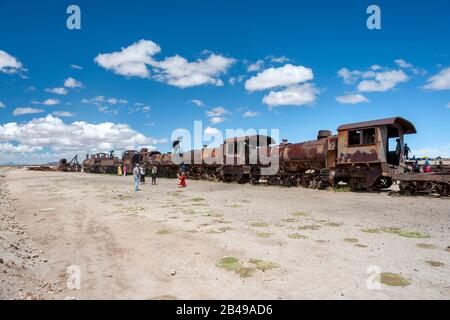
(369, 136)
(393, 157)
(354, 137)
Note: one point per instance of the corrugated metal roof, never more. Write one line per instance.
(259, 138)
(408, 127)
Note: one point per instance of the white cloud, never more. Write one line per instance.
(60, 90)
(10, 148)
(440, 81)
(281, 59)
(9, 64)
(131, 61)
(403, 64)
(383, 81)
(376, 67)
(217, 111)
(250, 114)
(211, 131)
(137, 60)
(26, 110)
(216, 120)
(76, 67)
(237, 79)
(51, 132)
(348, 76)
(292, 96)
(255, 66)
(284, 76)
(198, 103)
(72, 83)
(2, 105)
(376, 79)
(62, 114)
(179, 72)
(48, 102)
(352, 99)
(102, 99)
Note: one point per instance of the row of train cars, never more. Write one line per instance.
(365, 156)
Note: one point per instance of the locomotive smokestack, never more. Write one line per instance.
(323, 134)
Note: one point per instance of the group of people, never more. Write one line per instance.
(139, 173)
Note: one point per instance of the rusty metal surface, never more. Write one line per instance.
(304, 156)
(260, 138)
(407, 126)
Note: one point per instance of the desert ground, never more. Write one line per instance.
(215, 241)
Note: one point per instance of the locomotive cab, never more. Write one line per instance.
(241, 156)
(370, 153)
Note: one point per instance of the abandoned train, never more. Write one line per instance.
(365, 155)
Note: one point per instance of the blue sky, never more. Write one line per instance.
(297, 66)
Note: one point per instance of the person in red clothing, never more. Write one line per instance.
(182, 178)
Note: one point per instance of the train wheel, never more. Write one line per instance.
(287, 182)
(444, 190)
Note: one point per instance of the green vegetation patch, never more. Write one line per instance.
(334, 224)
(340, 189)
(393, 279)
(259, 224)
(197, 199)
(233, 264)
(351, 240)
(426, 246)
(300, 214)
(406, 233)
(236, 205)
(290, 220)
(435, 263)
(371, 230)
(263, 265)
(264, 234)
(174, 193)
(313, 227)
(164, 231)
(297, 236)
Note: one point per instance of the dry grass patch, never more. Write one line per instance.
(435, 263)
(259, 224)
(264, 234)
(290, 220)
(334, 224)
(264, 265)
(371, 230)
(426, 246)
(297, 236)
(393, 279)
(406, 233)
(300, 214)
(233, 264)
(164, 231)
(351, 240)
(313, 227)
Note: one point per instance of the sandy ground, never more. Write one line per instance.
(163, 241)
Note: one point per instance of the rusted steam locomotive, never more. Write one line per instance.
(364, 155)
